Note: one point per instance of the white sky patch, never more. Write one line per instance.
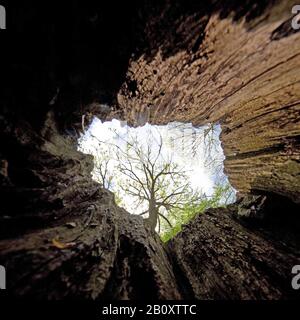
(177, 143)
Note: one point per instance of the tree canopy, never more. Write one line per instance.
(139, 171)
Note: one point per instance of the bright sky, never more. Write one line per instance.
(177, 142)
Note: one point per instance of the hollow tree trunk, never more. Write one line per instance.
(114, 255)
(67, 238)
(63, 236)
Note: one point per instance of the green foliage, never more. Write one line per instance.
(222, 195)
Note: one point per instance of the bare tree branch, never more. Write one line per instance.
(166, 219)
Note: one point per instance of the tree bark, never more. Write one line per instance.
(97, 251)
(222, 257)
(153, 215)
(117, 257)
